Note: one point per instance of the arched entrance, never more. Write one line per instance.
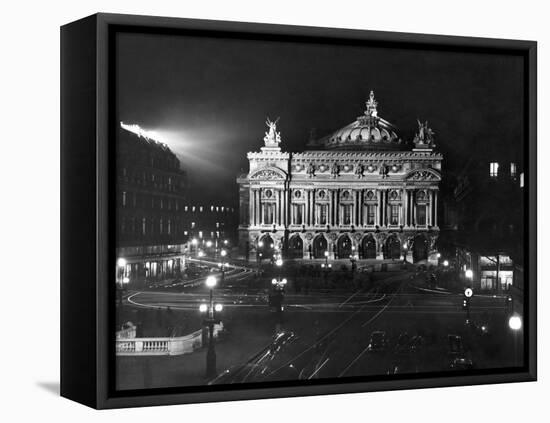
(266, 247)
(295, 247)
(368, 247)
(420, 248)
(392, 248)
(343, 247)
(319, 246)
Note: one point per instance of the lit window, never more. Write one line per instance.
(298, 214)
(513, 170)
(143, 225)
(193, 209)
(217, 224)
(123, 198)
(200, 209)
(493, 169)
(371, 214)
(346, 218)
(185, 233)
(217, 234)
(394, 215)
(521, 180)
(212, 208)
(269, 213)
(192, 225)
(200, 234)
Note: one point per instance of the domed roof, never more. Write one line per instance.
(369, 131)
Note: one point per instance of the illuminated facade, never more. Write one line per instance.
(361, 191)
(149, 203)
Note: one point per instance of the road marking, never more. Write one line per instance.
(319, 368)
(349, 298)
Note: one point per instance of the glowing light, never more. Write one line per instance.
(209, 244)
(283, 282)
(469, 274)
(121, 262)
(203, 308)
(260, 244)
(279, 262)
(438, 255)
(140, 132)
(274, 281)
(223, 253)
(468, 292)
(445, 263)
(326, 253)
(218, 307)
(210, 281)
(194, 241)
(515, 322)
(201, 254)
(125, 279)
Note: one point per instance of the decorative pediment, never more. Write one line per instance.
(269, 174)
(423, 175)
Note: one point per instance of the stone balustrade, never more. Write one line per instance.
(162, 346)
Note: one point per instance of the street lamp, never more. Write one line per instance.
(120, 277)
(469, 274)
(446, 263)
(222, 265)
(201, 255)
(515, 323)
(277, 299)
(209, 321)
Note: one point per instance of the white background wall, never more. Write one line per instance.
(29, 194)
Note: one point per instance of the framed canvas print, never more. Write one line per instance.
(255, 211)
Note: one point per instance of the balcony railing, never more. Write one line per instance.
(163, 346)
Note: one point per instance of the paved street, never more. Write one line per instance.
(327, 333)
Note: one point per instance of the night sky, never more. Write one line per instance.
(208, 99)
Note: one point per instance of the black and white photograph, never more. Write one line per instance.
(273, 212)
(308, 212)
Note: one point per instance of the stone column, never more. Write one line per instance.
(413, 203)
(430, 208)
(250, 207)
(435, 211)
(379, 217)
(406, 207)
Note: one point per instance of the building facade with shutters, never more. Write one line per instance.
(150, 225)
(359, 192)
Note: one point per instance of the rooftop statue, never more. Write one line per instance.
(425, 134)
(272, 137)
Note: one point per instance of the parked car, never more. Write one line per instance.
(378, 342)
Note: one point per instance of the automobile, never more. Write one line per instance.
(455, 345)
(416, 344)
(282, 359)
(461, 363)
(403, 344)
(378, 342)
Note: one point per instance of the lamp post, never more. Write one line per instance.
(223, 253)
(468, 294)
(515, 323)
(326, 267)
(405, 249)
(194, 243)
(211, 311)
(259, 256)
(200, 254)
(120, 277)
(278, 298)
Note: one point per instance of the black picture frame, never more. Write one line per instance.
(87, 213)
